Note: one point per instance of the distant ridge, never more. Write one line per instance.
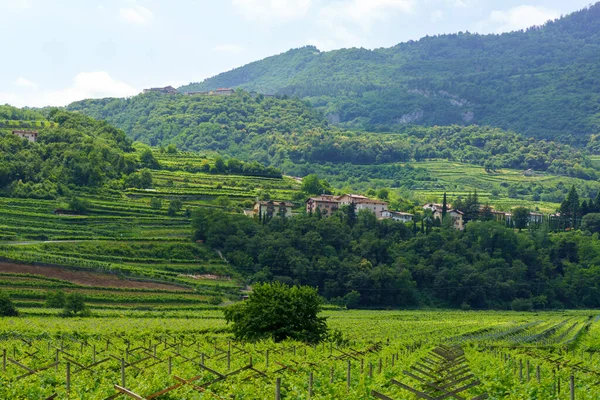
(542, 81)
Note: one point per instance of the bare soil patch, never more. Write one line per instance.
(85, 277)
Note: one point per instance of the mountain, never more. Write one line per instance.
(542, 82)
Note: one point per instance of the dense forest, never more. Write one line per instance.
(79, 152)
(290, 134)
(541, 82)
(357, 260)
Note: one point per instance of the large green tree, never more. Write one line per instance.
(278, 312)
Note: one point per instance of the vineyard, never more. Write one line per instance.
(383, 354)
(122, 237)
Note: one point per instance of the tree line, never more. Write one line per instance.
(357, 260)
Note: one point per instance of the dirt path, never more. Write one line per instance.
(85, 277)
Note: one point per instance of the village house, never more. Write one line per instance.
(223, 92)
(326, 204)
(164, 90)
(217, 92)
(29, 135)
(272, 208)
(455, 215)
(397, 216)
(364, 203)
(536, 218)
(435, 206)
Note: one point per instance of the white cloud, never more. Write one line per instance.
(85, 85)
(272, 11)
(364, 13)
(136, 15)
(228, 48)
(516, 18)
(342, 18)
(26, 83)
(436, 16)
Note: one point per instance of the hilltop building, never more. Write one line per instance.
(217, 92)
(164, 90)
(29, 135)
(272, 208)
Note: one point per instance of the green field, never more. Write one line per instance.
(193, 348)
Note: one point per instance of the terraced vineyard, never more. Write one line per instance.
(122, 240)
(507, 356)
(459, 179)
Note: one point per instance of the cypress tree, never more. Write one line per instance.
(445, 207)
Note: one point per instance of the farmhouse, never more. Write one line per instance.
(164, 90)
(29, 135)
(326, 204)
(223, 92)
(364, 203)
(272, 208)
(397, 216)
(217, 92)
(536, 218)
(455, 215)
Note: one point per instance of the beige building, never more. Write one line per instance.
(364, 203)
(272, 208)
(164, 90)
(222, 92)
(455, 215)
(326, 204)
(397, 216)
(29, 135)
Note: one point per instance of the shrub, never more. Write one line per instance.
(277, 311)
(56, 299)
(174, 207)
(156, 203)
(80, 205)
(75, 306)
(521, 305)
(7, 308)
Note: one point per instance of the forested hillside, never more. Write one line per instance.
(542, 82)
(292, 135)
(74, 151)
(368, 262)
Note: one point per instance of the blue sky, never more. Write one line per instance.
(56, 52)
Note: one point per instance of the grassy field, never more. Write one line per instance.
(190, 355)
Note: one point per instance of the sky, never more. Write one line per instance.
(55, 52)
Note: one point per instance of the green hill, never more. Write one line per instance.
(292, 135)
(72, 151)
(542, 82)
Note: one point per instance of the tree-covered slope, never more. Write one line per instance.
(287, 133)
(541, 82)
(71, 151)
